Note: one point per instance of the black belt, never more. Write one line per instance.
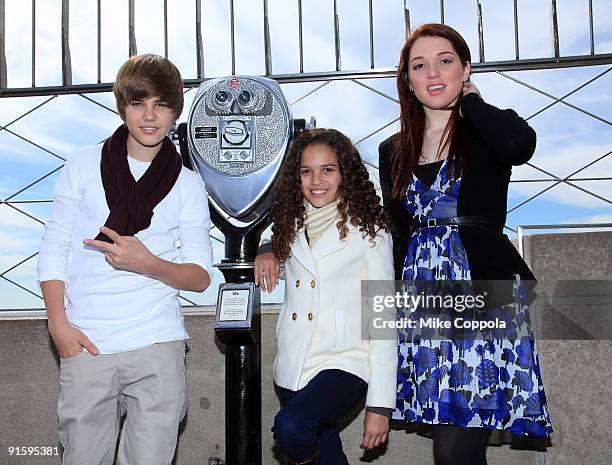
(475, 221)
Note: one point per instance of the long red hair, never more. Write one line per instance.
(409, 144)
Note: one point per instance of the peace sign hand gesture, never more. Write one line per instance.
(125, 253)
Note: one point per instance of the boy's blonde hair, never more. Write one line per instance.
(145, 76)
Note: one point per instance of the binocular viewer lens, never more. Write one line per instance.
(244, 97)
(222, 97)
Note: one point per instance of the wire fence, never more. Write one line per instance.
(361, 78)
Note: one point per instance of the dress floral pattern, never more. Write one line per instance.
(489, 378)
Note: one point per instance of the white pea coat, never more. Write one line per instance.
(323, 292)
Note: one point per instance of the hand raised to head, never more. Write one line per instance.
(470, 88)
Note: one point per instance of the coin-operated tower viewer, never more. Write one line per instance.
(236, 137)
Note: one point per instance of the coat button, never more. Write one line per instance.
(297, 283)
(313, 284)
(310, 317)
(294, 316)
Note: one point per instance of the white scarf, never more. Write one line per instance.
(319, 219)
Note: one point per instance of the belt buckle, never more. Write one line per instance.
(432, 223)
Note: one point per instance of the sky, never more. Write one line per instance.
(567, 139)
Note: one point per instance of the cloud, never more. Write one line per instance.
(18, 44)
(562, 194)
(10, 244)
(564, 159)
(604, 47)
(567, 140)
(17, 247)
(11, 218)
(596, 219)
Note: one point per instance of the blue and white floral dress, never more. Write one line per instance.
(491, 380)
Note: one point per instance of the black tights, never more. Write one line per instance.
(460, 446)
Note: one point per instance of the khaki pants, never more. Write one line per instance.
(148, 385)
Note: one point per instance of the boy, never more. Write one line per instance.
(121, 337)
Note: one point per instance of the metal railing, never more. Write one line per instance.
(521, 228)
(67, 86)
(325, 77)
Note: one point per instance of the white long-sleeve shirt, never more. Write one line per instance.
(121, 310)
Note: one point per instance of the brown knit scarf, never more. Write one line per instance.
(131, 203)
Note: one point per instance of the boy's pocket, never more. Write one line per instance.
(72, 357)
(171, 345)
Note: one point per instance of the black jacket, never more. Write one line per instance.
(498, 139)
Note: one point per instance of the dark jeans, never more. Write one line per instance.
(308, 418)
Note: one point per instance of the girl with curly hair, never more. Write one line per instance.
(331, 233)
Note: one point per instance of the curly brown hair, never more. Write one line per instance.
(358, 204)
